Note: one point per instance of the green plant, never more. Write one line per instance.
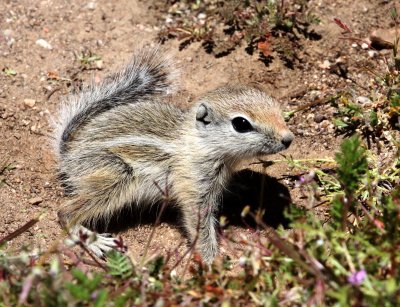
(84, 289)
(9, 71)
(119, 265)
(374, 117)
(350, 257)
(87, 58)
(265, 26)
(346, 253)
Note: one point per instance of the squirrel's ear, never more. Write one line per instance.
(203, 115)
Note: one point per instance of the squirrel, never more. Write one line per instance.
(122, 142)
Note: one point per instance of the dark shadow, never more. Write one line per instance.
(313, 36)
(208, 46)
(185, 43)
(265, 59)
(244, 190)
(132, 216)
(258, 191)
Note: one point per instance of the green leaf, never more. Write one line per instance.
(79, 275)
(122, 299)
(373, 116)
(9, 71)
(352, 163)
(78, 292)
(101, 298)
(393, 12)
(119, 265)
(339, 123)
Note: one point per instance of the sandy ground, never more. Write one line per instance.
(113, 30)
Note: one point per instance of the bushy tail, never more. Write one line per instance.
(149, 73)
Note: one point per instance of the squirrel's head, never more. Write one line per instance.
(241, 122)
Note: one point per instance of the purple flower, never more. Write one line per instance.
(357, 277)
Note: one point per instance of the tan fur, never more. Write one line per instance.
(121, 156)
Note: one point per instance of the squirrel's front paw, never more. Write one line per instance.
(98, 244)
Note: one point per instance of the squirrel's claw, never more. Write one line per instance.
(98, 244)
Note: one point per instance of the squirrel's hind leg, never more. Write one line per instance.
(99, 196)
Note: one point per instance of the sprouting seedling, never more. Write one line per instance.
(9, 71)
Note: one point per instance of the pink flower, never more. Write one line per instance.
(357, 277)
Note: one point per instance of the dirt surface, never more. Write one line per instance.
(113, 30)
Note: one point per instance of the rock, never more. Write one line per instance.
(324, 124)
(364, 46)
(30, 103)
(10, 41)
(383, 38)
(42, 43)
(363, 100)
(372, 53)
(91, 5)
(319, 118)
(8, 35)
(325, 65)
(35, 200)
(99, 64)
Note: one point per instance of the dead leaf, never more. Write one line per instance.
(265, 47)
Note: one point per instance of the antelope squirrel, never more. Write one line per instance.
(120, 142)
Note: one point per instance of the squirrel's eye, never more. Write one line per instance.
(241, 125)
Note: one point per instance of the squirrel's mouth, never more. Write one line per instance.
(270, 150)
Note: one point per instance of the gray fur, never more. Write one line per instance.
(122, 137)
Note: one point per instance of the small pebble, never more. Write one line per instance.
(42, 43)
(324, 124)
(364, 46)
(325, 65)
(99, 64)
(363, 100)
(91, 5)
(372, 53)
(10, 41)
(35, 200)
(30, 103)
(319, 118)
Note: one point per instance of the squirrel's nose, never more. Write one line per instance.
(287, 139)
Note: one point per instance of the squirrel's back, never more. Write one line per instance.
(122, 144)
(148, 75)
